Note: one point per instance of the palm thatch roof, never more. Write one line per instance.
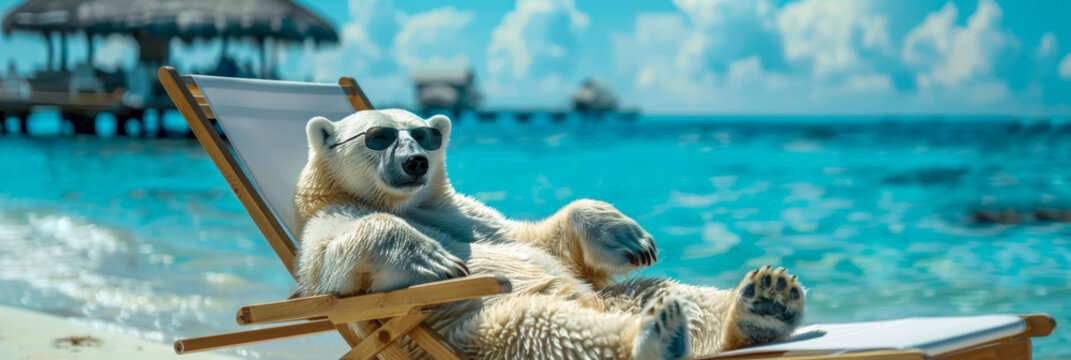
(186, 19)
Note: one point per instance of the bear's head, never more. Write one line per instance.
(382, 158)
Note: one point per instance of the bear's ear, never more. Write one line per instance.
(320, 131)
(441, 123)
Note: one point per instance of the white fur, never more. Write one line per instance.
(361, 234)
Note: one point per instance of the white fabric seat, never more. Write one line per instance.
(265, 124)
(932, 336)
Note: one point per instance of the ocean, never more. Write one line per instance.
(881, 217)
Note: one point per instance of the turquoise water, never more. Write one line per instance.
(874, 215)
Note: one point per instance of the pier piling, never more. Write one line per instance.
(24, 119)
(135, 115)
(487, 116)
(120, 125)
(81, 123)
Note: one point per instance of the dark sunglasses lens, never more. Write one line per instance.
(428, 138)
(379, 138)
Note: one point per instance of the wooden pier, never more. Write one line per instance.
(80, 92)
(530, 115)
(80, 116)
(77, 111)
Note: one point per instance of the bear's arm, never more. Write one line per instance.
(345, 250)
(592, 239)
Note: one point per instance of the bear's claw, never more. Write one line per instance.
(463, 270)
(646, 256)
(771, 304)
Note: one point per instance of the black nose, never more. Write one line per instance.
(416, 165)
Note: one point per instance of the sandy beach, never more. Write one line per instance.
(26, 334)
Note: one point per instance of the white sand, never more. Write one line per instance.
(25, 334)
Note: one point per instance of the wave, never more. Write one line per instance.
(105, 278)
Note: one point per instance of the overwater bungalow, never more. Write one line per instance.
(594, 97)
(81, 91)
(451, 90)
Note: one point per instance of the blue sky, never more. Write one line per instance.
(686, 56)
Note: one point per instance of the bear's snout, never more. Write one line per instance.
(416, 165)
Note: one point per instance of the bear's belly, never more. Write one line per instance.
(530, 271)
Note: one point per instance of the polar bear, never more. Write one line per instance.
(377, 213)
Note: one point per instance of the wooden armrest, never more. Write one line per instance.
(376, 305)
(1039, 325)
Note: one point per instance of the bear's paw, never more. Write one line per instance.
(612, 241)
(663, 331)
(770, 305)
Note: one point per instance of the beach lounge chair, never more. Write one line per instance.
(264, 122)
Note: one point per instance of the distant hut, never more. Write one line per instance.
(594, 97)
(446, 90)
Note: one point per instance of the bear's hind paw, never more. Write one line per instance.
(769, 305)
(663, 331)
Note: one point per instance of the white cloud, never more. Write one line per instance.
(732, 54)
(988, 92)
(534, 54)
(927, 42)
(743, 74)
(381, 46)
(365, 43)
(427, 40)
(869, 82)
(724, 31)
(649, 58)
(710, 14)
(1047, 46)
(537, 38)
(717, 55)
(708, 45)
(829, 35)
(646, 77)
(1065, 68)
(947, 54)
(373, 23)
(655, 35)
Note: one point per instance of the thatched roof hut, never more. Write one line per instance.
(447, 89)
(185, 19)
(594, 96)
(153, 23)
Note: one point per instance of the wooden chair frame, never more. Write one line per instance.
(391, 315)
(388, 316)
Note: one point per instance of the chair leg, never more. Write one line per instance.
(392, 352)
(434, 344)
(351, 337)
(385, 336)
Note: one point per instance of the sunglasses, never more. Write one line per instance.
(381, 137)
